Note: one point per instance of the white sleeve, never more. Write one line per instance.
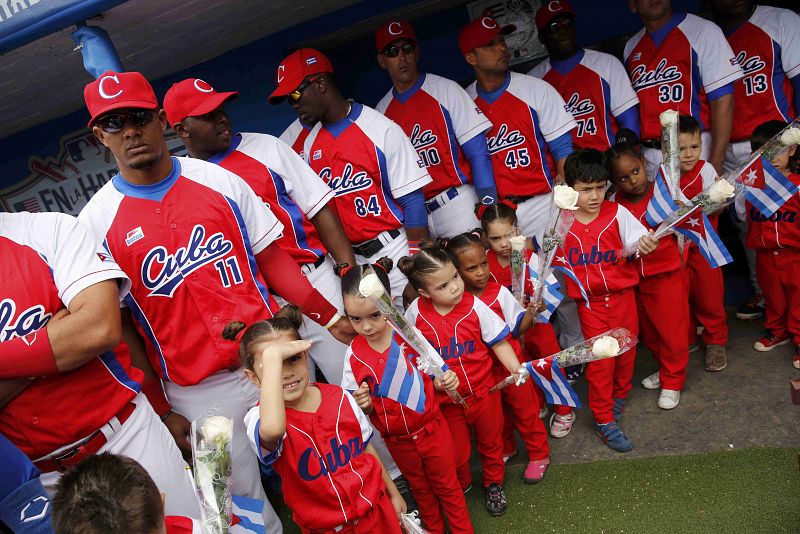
(630, 229)
(513, 312)
(623, 97)
(363, 420)
(406, 171)
(468, 120)
(554, 120)
(790, 42)
(493, 328)
(348, 378)
(252, 420)
(714, 56)
(709, 174)
(289, 135)
(262, 226)
(540, 70)
(304, 185)
(384, 102)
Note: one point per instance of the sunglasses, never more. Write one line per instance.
(297, 94)
(561, 24)
(114, 123)
(394, 50)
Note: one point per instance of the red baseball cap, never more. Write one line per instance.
(295, 67)
(481, 32)
(117, 90)
(193, 97)
(551, 10)
(393, 31)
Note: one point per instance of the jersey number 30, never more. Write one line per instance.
(367, 207)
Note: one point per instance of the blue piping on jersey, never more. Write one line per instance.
(337, 128)
(451, 137)
(660, 34)
(111, 362)
(561, 146)
(540, 142)
(477, 152)
(295, 213)
(777, 84)
(606, 88)
(697, 83)
(517, 325)
(408, 93)
(144, 324)
(155, 191)
(491, 96)
(386, 187)
(630, 119)
(218, 157)
(500, 337)
(796, 86)
(726, 89)
(565, 66)
(251, 259)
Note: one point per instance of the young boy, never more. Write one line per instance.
(706, 287)
(592, 248)
(776, 241)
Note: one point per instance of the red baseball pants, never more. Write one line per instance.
(778, 273)
(706, 300)
(521, 410)
(380, 518)
(541, 341)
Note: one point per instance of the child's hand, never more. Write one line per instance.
(521, 375)
(363, 398)
(284, 349)
(398, 503)
(647, 244)
(448, 381)
(536, 308)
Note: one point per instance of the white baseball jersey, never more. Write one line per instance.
(295, 136)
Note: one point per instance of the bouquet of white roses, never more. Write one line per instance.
(211, 455)
(670, 150)
(518, 267)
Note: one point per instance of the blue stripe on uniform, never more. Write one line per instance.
(451, 135)
(541, 144)
(251, 259)
(144, 324)
(295, 213)
(386, 188)
(111, 362)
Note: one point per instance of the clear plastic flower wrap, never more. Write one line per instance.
(211, 454)
(559, 221)
(518, 268)
(411, 524)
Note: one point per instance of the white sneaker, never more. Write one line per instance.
(669, 399)
(560, 425)
(652, 381)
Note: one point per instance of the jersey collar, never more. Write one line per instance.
(564, 66)
(660, 34)
(337, 128)
(154, 191)
(411, 91)
(497, 93)
(216, 158)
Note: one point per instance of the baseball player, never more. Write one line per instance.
(766, 45)
(200, 247)
(85, 395)
(444, 126)
(682, 62)
(593, 84)
(366, 159)
(295, 135)
(24, 504)
(291, 190)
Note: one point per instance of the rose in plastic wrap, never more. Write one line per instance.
(668, 118)
(565, 197)
(371, 286)
(791, 136)
(721, 191)
(606, 346)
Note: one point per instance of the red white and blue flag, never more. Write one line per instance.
(766, 187)
(697, 227)
(551, 297)
(551, 380)
(401, 381)
(661, 204)
(561, 263)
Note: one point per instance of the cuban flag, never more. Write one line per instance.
(661, 204)
(551, 296)
(401, 381)
(766, 187)
(551, 380)
(247, 516)
(560, 263)
(698, 228)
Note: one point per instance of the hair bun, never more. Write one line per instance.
(627, 136)
(291, 313)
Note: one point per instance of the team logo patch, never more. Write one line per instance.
(748, 64)
(641, 78)
(105, 257)
(636, 56)
(422, 138)
(133, 236)
(579, 107)
(311, 60)
(27, 322)
(35, 510)
(317, 154)
(505, 139)
(348, 182)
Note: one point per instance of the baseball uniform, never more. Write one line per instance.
(591, 251)
(440, 118)
(47, 260)
(24, 505)
(295, 136)
(329, 480)
(369, 163)
(596, 90)
(464, 337)
(420, 443)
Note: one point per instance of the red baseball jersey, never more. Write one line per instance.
(525, 113)
(188, 244)
(438, 116)
(368, 162)
(288, 187)
(328, 477)
(47, 259)
(502, 302)
(463, 337)
(666, 257)
(767, 48)
(781, 230)
(693, 60)
(295, 136)
(592, 250)
(694, 181)
(596, 90)
(362, 363)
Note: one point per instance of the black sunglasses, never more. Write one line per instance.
(297, 94)
(394, 50)
(115, 122)
(561, 24)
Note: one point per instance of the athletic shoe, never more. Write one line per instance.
(796, 359)
(507, 457)
(405, 491)
(535, 471)
(769, 341)
(716, 359)
(619, 407)
(496, 500)
(752, 309)
(560, 425)
(573, 372)
(669, 399)
(651, 381)
(614, 437)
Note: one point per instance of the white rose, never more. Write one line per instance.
(517, 242)
(791, 136)
(371, 286)
(721, 191)
(217, 426)
(606, 346)
(668, 118)
(565, 197)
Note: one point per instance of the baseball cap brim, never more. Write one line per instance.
(210, 104)
(121, 104)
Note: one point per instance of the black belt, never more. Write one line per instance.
(652, 143)
(519, 199)
(317, 263)
(373, 246)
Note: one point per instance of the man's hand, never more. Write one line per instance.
(343, 330)
(647, 244)
(363, 398)
(180, 427)
(448, 381)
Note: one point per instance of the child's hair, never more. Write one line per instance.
(688, 125)
(625, 146)
(587, 166)
(107, 493)
(498, 212)
(456, 244)
(428, 260)
(288, 319)
(764, 132)
(351, 276)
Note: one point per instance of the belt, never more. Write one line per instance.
(441, 199)
(93, 443)
(519, 199)
(652, 143)
(308, 268)
(373, 246)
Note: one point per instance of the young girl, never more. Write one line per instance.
(499, 224)
(420, 442)
(314, 435)
(463, 329)
(661, 295)
(520, 406)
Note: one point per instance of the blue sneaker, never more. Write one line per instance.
(619, 407)
(614, 437)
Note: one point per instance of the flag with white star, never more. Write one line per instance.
(697, 227)
(561, 263)
(551, 380)
(766, 187)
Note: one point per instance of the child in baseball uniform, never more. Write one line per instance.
(464, 329)
(314, 435)
(776, 241)
(663, 284)
(706, 287)
(520, 404)
(499, 224)
(414, 430)
(592, 249)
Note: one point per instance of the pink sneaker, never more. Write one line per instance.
(535, 471)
